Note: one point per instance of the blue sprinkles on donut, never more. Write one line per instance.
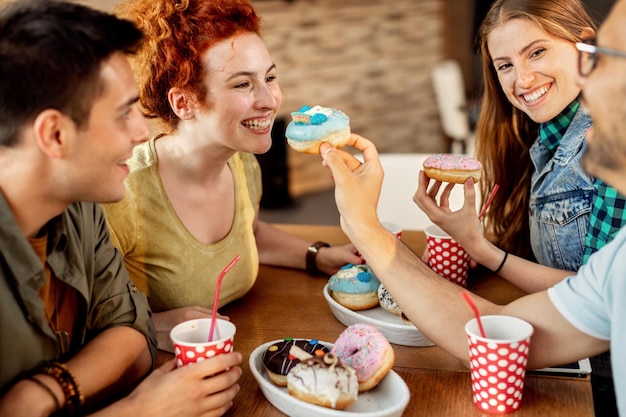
(304, 116)
(311, 123)
(354, 279)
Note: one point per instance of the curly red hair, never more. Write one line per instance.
(178, 32)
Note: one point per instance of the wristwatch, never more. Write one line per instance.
(311, 257)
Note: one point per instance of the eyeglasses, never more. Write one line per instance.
(588, 55)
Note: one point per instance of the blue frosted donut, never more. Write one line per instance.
(355, 287)
(311, 126)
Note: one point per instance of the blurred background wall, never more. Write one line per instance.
(372, 59)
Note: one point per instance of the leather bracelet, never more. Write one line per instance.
(61, 373)
(47, 388)
(506, 255)
(311, 257)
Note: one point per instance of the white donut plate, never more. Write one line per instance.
(389, 324)
(388, 399)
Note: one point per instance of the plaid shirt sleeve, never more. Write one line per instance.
(607, 217)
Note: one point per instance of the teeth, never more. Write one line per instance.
(257, 124)
(536, 95)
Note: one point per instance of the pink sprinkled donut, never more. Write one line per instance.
(363, 348)
(452, 168)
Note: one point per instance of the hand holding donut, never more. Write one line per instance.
(357, 185)
(462, 225)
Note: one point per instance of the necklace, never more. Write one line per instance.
(61, 335)
(54, 285)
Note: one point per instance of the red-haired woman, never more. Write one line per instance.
(206, 77)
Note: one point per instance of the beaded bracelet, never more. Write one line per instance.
(47, 388)
(60, 372)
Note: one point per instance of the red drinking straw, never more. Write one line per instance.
(475, 309)
(217, 294)
(489, 200)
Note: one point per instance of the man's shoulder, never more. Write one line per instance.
(83, 216)
(82, 208)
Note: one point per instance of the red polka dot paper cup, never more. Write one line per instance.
(191, 337)
(446, 257)
(498, 362)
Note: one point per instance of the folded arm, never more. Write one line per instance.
(110, 364)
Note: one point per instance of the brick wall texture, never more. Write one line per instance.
(369, 58)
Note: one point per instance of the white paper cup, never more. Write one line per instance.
(498, 362)
(394, 228)
(191, 344)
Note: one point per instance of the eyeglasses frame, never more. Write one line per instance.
(594, 50)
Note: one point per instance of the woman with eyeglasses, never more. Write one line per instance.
(530, 138)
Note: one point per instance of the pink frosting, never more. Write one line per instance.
(362, 348)
(450, 161)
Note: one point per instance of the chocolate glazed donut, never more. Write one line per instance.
(278, 362)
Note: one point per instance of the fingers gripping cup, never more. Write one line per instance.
(446, 257)
(191, 337)
(498, 362)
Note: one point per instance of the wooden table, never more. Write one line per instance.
(290, 303)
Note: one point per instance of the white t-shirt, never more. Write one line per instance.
(593, 302)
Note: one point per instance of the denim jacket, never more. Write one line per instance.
(561, 199)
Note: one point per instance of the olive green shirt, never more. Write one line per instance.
(79, 254)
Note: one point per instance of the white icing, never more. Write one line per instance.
(327, 383)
